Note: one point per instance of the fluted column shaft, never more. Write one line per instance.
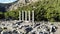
(25, 15)
(22, 15)
(32, 16)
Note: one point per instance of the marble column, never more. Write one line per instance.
(33, 16)
(22, 15)
(19, 15)
(25, 15)
(2, 32)
(29, 15)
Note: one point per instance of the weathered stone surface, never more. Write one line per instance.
(26, 28)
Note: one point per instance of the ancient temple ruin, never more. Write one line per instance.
(26, 16)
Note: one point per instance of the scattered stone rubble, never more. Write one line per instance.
(23, 27)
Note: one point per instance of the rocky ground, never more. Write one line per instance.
(26, 27)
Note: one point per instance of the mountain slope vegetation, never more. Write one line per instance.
(45, 10)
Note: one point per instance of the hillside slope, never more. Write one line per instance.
(21, 3)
